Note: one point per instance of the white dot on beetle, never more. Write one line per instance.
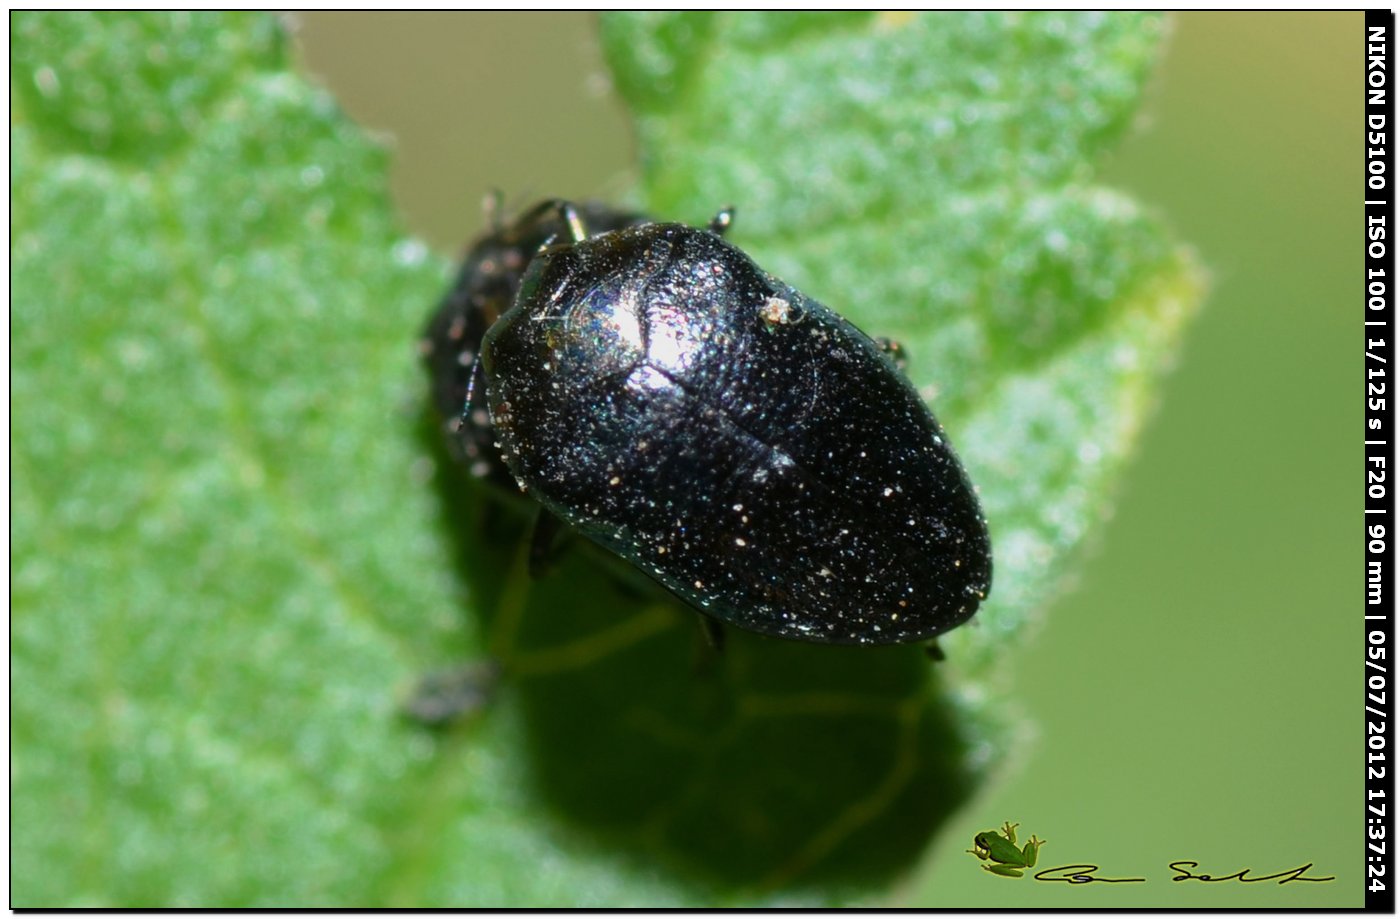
(776, 311)
(738, 541)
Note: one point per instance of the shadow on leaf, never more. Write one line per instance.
(774, 765)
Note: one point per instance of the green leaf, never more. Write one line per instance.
(237, 545)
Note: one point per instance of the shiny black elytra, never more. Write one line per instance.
(485, 287)
(741, 443)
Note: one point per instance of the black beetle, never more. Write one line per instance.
(484, 289)
(739, 442)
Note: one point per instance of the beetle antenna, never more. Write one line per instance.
(492, 207)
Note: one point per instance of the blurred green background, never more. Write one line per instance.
(1196, 695)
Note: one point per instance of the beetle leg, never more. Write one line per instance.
(722, 221)
(547, 526)
(709, 647)
(893, 350)
(713, 631)
(934, 652)
(497, 523)
(473, 382)
(574, 221)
